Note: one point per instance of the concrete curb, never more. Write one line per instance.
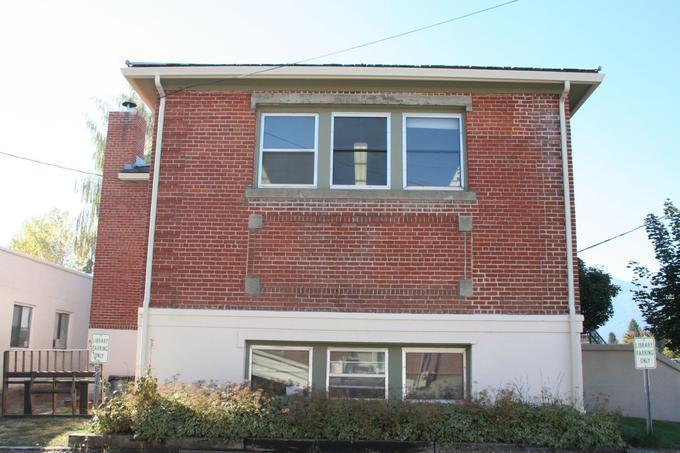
(86, 442)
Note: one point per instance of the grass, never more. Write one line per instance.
(665, 435)
(43, 431)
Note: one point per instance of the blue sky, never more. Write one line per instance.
(58, 56)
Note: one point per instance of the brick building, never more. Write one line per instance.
(369, 231)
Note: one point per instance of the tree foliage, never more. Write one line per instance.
(49, 237)
(612, 338)
(658, 293)
(633, 331)
(597, 292)
(90, 186)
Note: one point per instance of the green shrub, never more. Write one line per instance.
(233, 412)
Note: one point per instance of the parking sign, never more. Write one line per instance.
(645, 353)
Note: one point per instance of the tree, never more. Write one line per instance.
(49, 237)
(612, 338)
(597, 292)
(90, 186)
(632, 332)
(658, 293)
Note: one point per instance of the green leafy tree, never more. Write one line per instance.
(49, 237)
(612, 338)
(658, 293)
(597, 292)
(89, 187)
(633, 331)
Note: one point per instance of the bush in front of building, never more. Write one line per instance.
(235, 412)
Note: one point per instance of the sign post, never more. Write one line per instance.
(645, 359)
(99, 354)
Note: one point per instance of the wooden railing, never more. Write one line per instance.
(57, 367)
(20, 361)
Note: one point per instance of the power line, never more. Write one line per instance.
(49, 164)
(348, 49)
(616, 237)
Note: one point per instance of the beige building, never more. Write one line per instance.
(42, 305)
(611, 381)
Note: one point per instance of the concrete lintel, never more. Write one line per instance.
(391, 99)
(312, 194)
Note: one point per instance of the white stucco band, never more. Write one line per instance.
(530, 352)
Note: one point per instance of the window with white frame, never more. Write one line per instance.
(360, 150)
(281, 370)
(288, 150)
(357, 373)
(21, 326)
(61, 321)
(433, 151)
(433, 374)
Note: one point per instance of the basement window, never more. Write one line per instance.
(433, 151)
(357, 373)
(360, 154)
(281, 370)
(433, 374)
(288, 150)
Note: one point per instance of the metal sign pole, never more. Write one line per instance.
(650, 428)
(97, 383)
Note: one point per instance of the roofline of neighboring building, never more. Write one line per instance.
(137, 71)
(46, 263)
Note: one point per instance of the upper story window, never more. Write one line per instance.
(383, 152)
(288, 150)
(21, 327)
(433, 151)
(360, 150)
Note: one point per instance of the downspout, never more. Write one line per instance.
(574, 338)
(143, 347)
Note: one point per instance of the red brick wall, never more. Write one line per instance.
(354, 255)
(118, 285)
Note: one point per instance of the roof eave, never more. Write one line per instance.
(135, 74)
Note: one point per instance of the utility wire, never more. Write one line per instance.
(306, 60)
(348, 49)
(616, 237)
(36, 161)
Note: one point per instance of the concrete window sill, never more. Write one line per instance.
(133, 176)
(306, 194)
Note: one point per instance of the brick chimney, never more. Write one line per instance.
(118, 285)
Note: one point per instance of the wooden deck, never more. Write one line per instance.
(48, 371)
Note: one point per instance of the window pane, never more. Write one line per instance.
(434, 376)
(357, 362)
(21, 326)
(357, 374)
(360, 151)
(60, 330)
(287, 168)
(280, 371)
(288, 132)
(356, 387)
(433, 152)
